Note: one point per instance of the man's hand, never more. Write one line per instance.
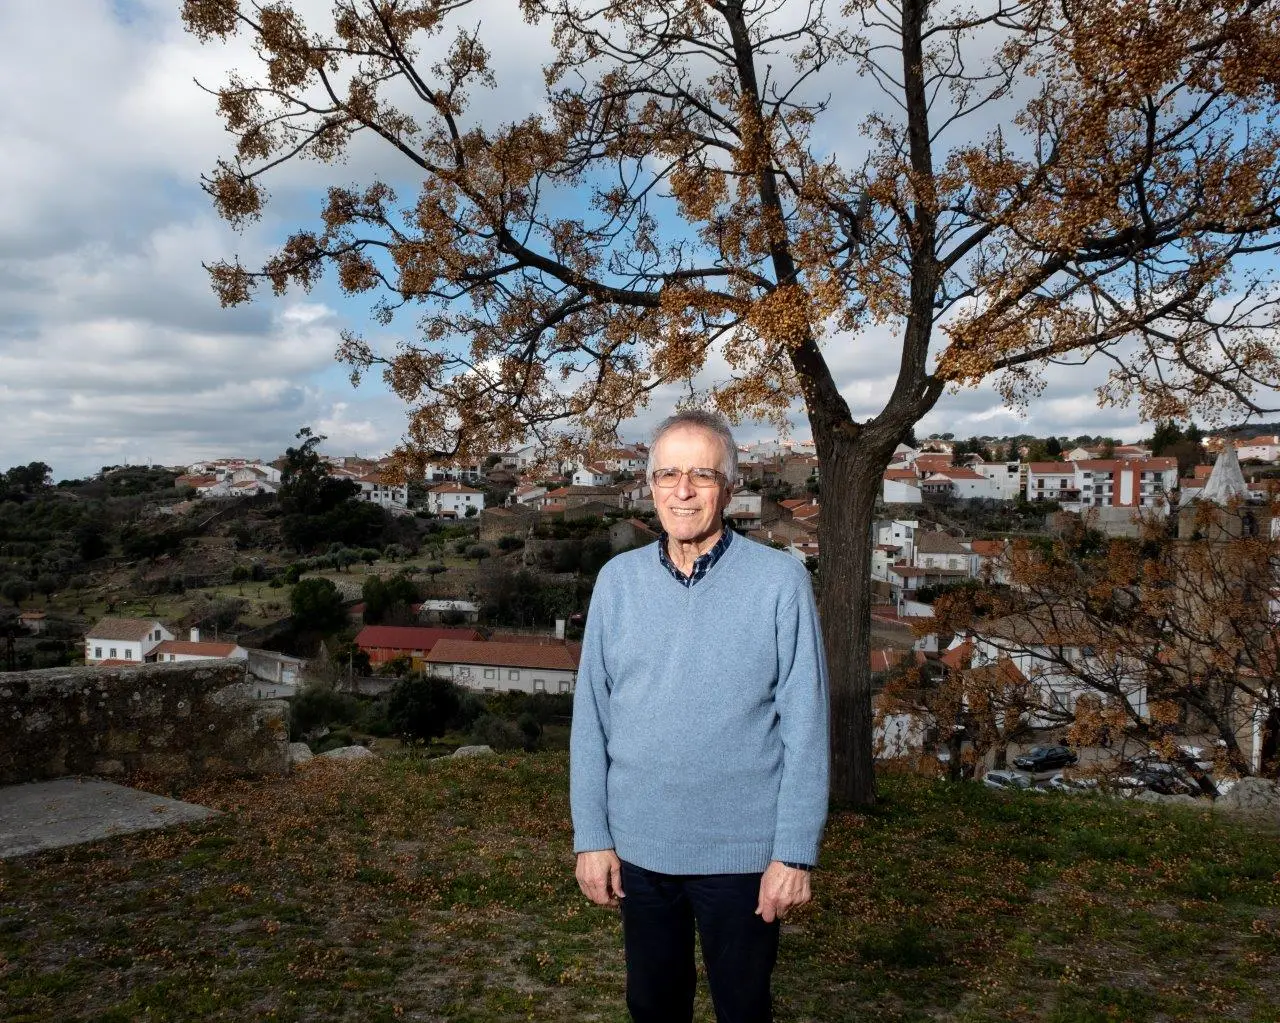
(599, 876)
(782, 888)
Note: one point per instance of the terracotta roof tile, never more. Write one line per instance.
(883, 660)
(182, 646)
(409, 637)
(551, 656)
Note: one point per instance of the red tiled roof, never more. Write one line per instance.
(957, 658)
(1046, 468)
(409, 637)
(552, 656)
(900, 475)
(182, 646)
(1002, 672)
(883, 660)
(933, 462)
(987, 548)
(453, 488)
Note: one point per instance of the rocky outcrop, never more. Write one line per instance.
(184, 723)
(349, 753)
(1256, 796)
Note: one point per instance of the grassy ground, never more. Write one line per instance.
(443, 891)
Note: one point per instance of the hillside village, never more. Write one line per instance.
(509, 545)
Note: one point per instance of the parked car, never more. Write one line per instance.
(1006, 780)
(1164, 779)
(1061, 783)
(1045, 758)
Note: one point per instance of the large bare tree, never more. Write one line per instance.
(1035, 182)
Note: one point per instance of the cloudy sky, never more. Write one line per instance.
(113, 349)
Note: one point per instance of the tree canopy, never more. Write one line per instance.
(1128, 643)
(1034, 182)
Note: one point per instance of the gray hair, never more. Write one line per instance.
(713, 423)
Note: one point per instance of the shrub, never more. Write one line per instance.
(497, 732)
(420, 709)
(317, 707)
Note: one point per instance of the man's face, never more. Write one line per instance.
(689, 514)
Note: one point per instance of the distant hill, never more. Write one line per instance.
(1251, 430)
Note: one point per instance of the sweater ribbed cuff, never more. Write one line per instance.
(592, 841)
(796, 852)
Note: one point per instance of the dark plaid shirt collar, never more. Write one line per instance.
(702, 565)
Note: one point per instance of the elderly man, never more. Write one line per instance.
(699, 750)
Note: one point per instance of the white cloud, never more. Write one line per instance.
(112, 346)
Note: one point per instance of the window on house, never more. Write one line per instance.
(513, 676)
(157, 635)
(97, 652)
(464, 672)
(112, 652)
(490, 672)
(564, 686)
(128, 655)
(539, 685)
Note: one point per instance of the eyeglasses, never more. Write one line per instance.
(700, 478)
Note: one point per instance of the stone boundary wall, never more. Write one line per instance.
(179, 722)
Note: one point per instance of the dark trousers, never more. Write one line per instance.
(659, 913)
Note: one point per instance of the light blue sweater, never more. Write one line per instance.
(699, 740)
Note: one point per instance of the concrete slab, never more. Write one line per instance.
(69, 811)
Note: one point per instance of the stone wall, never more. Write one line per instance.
(180, 722)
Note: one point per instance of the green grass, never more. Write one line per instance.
(402, 889)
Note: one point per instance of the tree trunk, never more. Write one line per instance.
(851, 472)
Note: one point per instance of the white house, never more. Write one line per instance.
(454, 499)
(439, 472)
(377, 489)
(1052, 481)
(964, 483)
(938, 550)
(803, 549)
(505, 667)
(1005, 477)
(519, 459)
(633, 460)
(1051, 658)
(899, 533)
(115, 640)
(592, 474)
(744, 508)
(901, 486)
(175, 651)
(1113, 482)
(256, 472)
(530, 495)
(1264, 449)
